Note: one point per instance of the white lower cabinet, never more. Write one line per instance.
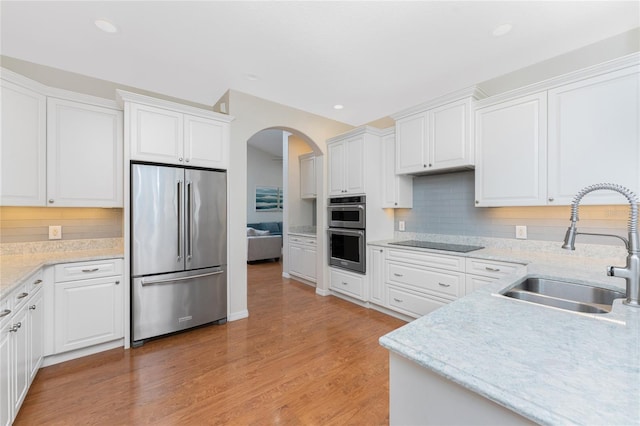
(21, 343)
(302, 257)
(375, 262)
(348, 283)
(88, 310)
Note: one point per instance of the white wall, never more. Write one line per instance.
(262, 170)
(300, 210)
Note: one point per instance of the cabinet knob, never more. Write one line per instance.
(32, 307)
(477, 202)
(180, 159)
(551, 199)
(50, 200)
(429, 164)
(381, 251)
(15, 327)
(187, 160)
(118, 282)
(424, 165)
(395, 204)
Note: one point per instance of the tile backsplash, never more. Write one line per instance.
(444, 204)
(28, 224)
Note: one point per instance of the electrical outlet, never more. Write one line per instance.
(55, 232)
(521, 232)
(401, 225)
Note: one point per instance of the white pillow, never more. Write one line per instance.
(259, 232)
(251, 232)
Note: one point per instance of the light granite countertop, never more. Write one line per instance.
(549, 365)
(19, 260)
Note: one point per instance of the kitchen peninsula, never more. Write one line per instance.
(488, 358)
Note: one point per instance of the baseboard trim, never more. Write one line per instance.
(322, 292)
(79, 353)
(235, 316)
(286, 275)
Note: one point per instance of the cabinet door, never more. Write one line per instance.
(336, 155)
(594, 137)
(474, 282)
(20, 355)
(376, 278)
(88, 312)
(205, 142)
(354, 165)
(397, 191)
(411, 144)
(295, 259)
(449, 138)
(36, 333)
(84, 155)
(6, 405)
(511, 152)
(23, 145)
(309, 263)
(307, 177)
(156, 134)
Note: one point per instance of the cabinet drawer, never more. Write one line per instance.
(6, 308)
(412, 304)
(25, 290)
(490, 268)
(85, 270)
(445, 283)
(431, 260)
(352, 285)
(298, 240)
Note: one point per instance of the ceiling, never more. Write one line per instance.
(375, 58)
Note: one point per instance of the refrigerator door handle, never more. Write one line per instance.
(189, 221)
(171, 280)
(179, 220)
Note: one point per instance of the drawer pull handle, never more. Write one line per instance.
(444, 285)
(344, 283)
(397, 300)
(22, 295)
(5, 312)
(36, 282)
(91, 270)
(32, 307)
(492, 269)
(398, 275)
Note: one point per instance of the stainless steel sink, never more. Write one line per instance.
(565, 295)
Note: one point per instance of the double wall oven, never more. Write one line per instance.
(347, 236)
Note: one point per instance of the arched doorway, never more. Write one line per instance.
(273, 172)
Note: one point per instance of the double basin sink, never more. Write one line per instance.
(564, 295)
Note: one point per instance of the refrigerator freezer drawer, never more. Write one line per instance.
(163, 304)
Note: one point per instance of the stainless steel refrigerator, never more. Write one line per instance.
(178, 249)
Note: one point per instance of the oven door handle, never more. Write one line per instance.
(341, 231)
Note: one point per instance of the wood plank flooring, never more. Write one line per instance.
(299, 359)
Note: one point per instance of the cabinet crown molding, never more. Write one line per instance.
(124, 96)
(356, 132)
(474, 92)
(54, 92)
(632, 60)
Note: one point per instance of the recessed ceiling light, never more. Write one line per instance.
(252, 77)
(501, 30)
(338, 106)
(106, 26)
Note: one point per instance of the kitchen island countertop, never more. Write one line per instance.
(548, 365)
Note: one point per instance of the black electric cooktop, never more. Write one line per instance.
(460, 248)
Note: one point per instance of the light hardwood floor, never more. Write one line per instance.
(299, 359)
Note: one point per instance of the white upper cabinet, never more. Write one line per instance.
(436, 136)
(84, 155)
(346, 166)
(397, 190)
(594, 136)
(170, 133)
(576, 130)
(511, 152)
(23, 146)
(307, 176)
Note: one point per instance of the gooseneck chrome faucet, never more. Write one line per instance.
(631, 273)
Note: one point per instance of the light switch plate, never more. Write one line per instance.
(401, 225)
(55, 232)
(521, 232)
